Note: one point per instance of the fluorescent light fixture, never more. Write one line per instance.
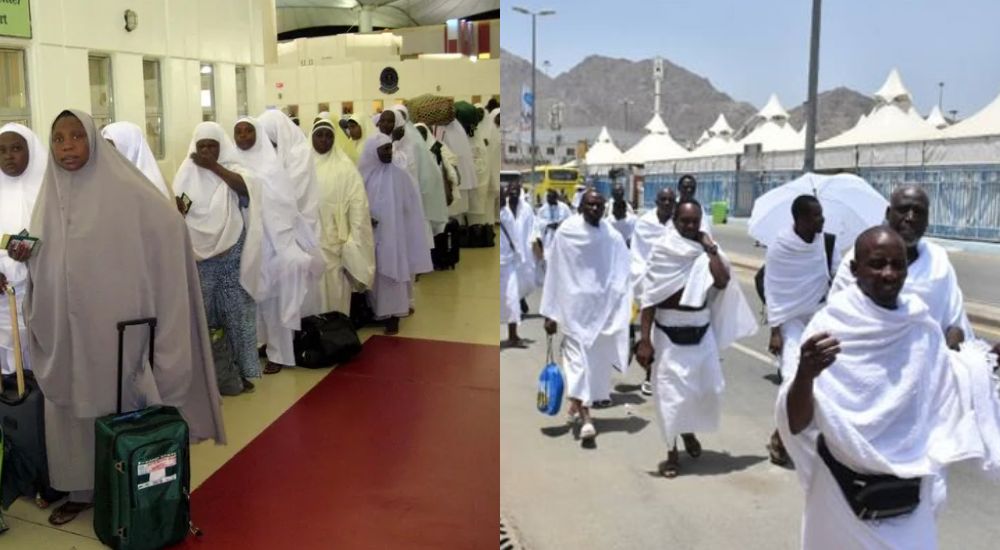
(206, 69)
(521, 10)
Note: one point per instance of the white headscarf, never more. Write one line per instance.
(278, 210)
(425, 171)
(215, 219)
(454, 136)
(295, 154)
(17, 200)
(130, 142)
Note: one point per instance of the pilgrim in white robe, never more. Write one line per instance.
(447, 163)
(348, 244)
(796, 282)
(453, 135)
(517, 261)
(130, 141)
(401, 248)
(548, 217)
(586, 292)
(625, 226)
(926, 414)
(687, 379)
(480, 207)
(426, 173)
(648, 230)
(295, 153)
(17, 200)
(932, 277)
(285, 266)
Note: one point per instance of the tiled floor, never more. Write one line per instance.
(437, 402)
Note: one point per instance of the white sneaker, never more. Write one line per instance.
(588, 431)
(647, 388)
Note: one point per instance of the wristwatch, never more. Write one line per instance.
(712, 250)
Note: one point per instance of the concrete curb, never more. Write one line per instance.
(980, 314)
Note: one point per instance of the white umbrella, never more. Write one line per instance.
(850, 205)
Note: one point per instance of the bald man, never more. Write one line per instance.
(697, 312)
(587, 295)
(878, 393)
(931, 275)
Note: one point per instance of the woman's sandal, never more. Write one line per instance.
(671, 467)
(68, 511)
(691, 445)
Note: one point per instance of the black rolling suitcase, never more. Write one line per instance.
(446, 247)
(26, 471)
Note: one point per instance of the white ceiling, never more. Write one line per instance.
(299, 14)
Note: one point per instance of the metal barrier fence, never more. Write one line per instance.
(965, 200)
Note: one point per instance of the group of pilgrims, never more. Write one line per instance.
(262, 227)
(884, 384)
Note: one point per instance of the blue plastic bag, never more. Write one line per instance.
(550, 386)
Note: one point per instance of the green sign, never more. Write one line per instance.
(15, 18)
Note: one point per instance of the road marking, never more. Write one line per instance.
(766, 359)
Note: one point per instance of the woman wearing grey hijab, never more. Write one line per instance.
(110, 250)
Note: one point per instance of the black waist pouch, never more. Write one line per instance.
(684, 336)
(872, 496)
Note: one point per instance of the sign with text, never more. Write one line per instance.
(15, 18)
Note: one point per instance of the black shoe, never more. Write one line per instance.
(248, 386)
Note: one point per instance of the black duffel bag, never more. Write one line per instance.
(325, 340)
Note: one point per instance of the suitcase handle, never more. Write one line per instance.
(151, 321)
(15, 332)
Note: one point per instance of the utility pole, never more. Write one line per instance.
(534, 90)
(812, 107)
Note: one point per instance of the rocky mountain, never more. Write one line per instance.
(596, 92)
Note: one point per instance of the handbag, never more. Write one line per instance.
(872, 496)
(550, 385)
(325, 340)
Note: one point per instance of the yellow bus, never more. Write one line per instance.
(563, 180)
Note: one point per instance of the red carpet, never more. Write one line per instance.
(400, 448)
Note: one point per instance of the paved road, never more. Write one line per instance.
(975, 265)
(559, 495)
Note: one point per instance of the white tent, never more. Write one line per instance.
(656, 145)
(984, 123)
(893, 119)
(604, 151)
(721, 127)
(937, 119)
(775, 133)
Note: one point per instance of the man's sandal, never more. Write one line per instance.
(273, 368)
(671, 467)
(778, 454)
(691, 445)
(68, 511)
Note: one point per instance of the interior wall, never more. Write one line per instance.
(179, 33)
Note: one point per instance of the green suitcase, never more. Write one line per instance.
(142, 471)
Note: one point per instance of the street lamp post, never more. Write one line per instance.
(811, 106)
(941, 95)
(534, 92)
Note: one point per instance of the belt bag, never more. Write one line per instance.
(871, 496)
(684, 336)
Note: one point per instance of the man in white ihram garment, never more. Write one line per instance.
(697, 312)
(649, 228)
(879, 405)
(796, 281)
(587, 294)
(930, 274)
(548, 218)
(517, 261)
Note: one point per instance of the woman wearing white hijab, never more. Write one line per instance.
(348, 244)
(447, 161)
(111, 250)
(285, 266)
(401, 247)
(224, 221)
(130, 142)
(22, 165)
(295, 154)
(426, 173)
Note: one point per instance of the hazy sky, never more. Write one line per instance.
(750, 48)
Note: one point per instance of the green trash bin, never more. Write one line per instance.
(720, 212)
